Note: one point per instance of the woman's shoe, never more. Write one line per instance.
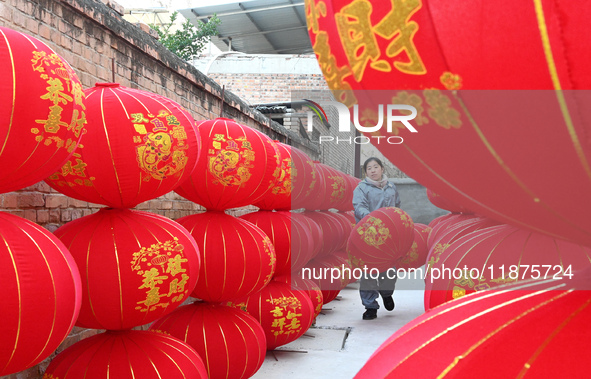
(389, 303)
(370, 314)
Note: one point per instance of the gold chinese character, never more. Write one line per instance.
(397, 27)
(138, 118)
(219, 137)
(360, 44)
(313, 13)
(175, 265)
(54, 92)
(151, 278)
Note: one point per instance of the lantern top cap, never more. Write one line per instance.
(112, 85)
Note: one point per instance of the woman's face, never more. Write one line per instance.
(374, 171)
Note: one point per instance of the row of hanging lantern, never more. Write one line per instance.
(120, 268)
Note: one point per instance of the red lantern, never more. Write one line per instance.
(128, 354)
(284, 314)
(498, 255)
(446, 232)
(455, 220)
(41, 293)
(237, 256)
(292, 242)
(308, 286)
(347, 227)
(494, 163)
(140, 146)
(538, 329)
(351, 183)
(42, 113)
(280, 195)
(417, 255)
(443, 203)
(332, 231)
(241, 166)
(306, 180)
(439, 219)
(330, 274)
(231, 342)
(381, 238)
(314, 229)
(135, 266)
(332, 191)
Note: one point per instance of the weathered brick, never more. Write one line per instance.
(66, 216)
(54, 216)
(30, 199)
(42, 216)
(10, 200)
(56, 201)
(31, 215)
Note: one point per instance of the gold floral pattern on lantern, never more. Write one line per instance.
(438, 249)
(441, 110)
(373, 232)
(451, 81)
(338, 188)
(411, 256)
(230, 160)
(285, 315)
(61, 90)
(269, 249)
(160, 265)
(284, 181)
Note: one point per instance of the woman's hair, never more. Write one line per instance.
(368, 161)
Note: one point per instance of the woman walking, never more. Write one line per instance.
(373, 193)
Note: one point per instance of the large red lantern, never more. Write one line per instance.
(241, 165)
(140, 146)
(417, 255)
(231, 342)
(497, 255)
(42, 112)
(332, 190)
(279, 197)
(454, 221)
(314, 229)
(426, 52)
(127, 354)
(237, 257)
(41, 293)
(292, 241)
(381, 238)
(333, 232)
(306, 181)
(330, 273)
(537, 330)
(135, 266)
(283, 313)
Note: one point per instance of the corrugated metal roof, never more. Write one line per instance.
(258, 27)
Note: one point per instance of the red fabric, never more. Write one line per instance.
(439, 219)
(497, 247)
(231, 342)
(380, 238)
(314, 229)
(237, 257)
(350, 184)
(42, 116)
(306, 180)
(443, 203)
(238, 167)
(129, 354)
(494, 163)
(280, 195)
(333, 232)
(536, 330)
(417, 255)
(135, 266)
(41, 293)
(283, 313)
(292, 241)
(138, 146)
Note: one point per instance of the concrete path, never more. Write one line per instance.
(325, 355)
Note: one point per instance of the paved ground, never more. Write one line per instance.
(326, 357)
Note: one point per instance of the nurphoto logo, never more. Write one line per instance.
(344, 121)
